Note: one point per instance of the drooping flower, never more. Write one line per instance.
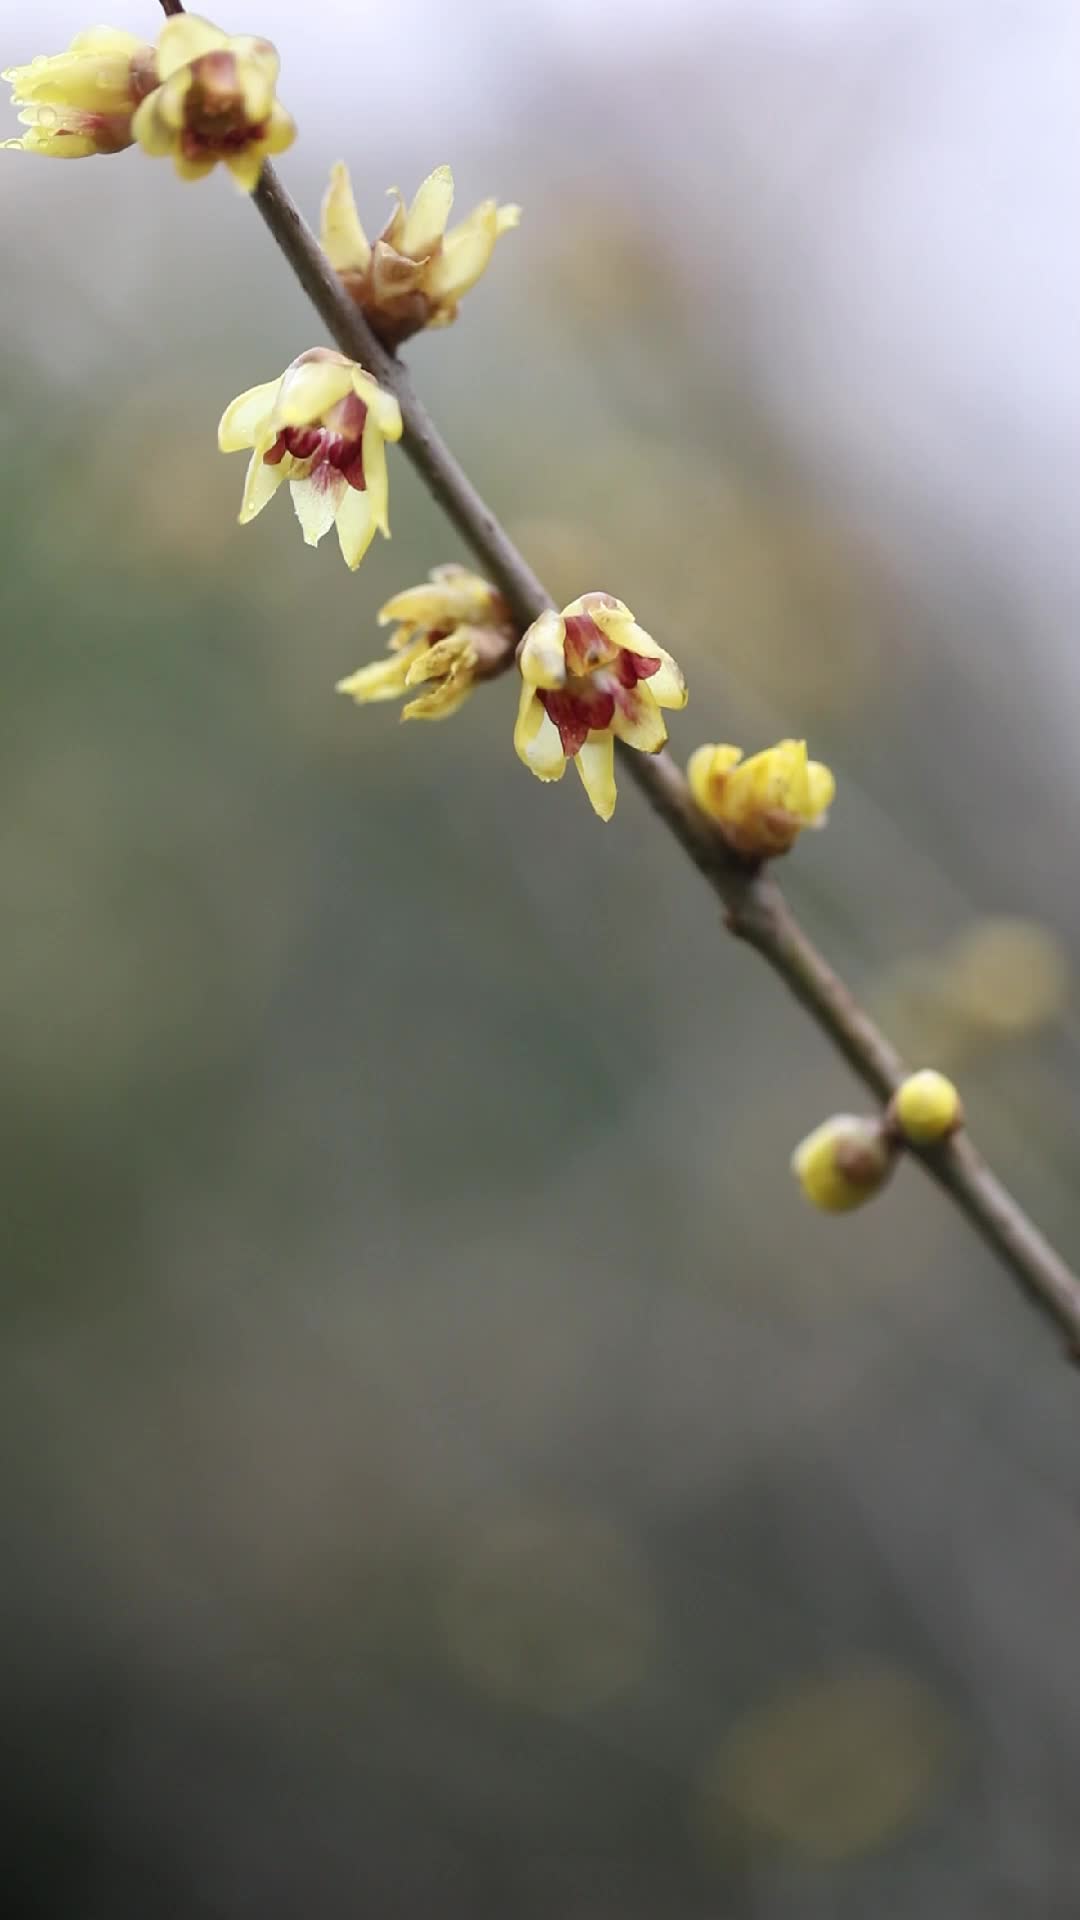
(591, 674)
(216, 101)
(415, 273)
(322, 426)
(844, 1162)
(761, 805)
(452, 633)
(83, 101)
(926, 1107)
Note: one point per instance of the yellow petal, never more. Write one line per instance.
(543, 651)
(453, 655)
(706, 765)
(465, 253)
(536, 738)
(355, 526)
(425, 222)
(595, 762)
(245, 419)
(644, 727)
(317, 499)
(246, 166)
(260, 485)
(153, 134)
(193, 168)
(668, 687)
(506, 218)
(257, 67)
(186, 37)
(281, 131)
(383, 679)
(307, 392)
(443, 699)
(382, 406)
(821, 791)
(376, 477)
(344, 241)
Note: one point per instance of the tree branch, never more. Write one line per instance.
(754, 907)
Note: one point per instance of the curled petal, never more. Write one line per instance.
(245, 419)
(443, 698)
(536, 738)
(383, 679)
(344, 241)
(706, 769)
(667, 685)
(307, 391)
(543, 652)
(382, 406)
(261, 484)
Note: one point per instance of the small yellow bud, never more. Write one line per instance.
(591, 675)
(926, 1107)
(843, 1162)
(761, 805)
(416, 272)
(216, 101)
(451, 633)
(322, 427)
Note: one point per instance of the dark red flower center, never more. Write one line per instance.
(341, 447)
(215, 116)
(608, 679)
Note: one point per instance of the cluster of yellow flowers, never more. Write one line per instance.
(590, 676)
(847, 1160)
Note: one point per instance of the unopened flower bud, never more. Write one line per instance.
(761, 805)
(926, 1107)
(843, 1162)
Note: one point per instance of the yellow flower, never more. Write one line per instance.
(82, 101)
(588, 674)
(843, 1162)
(452, 633)
(761, 805)
(215, 102)
(415, 273)
(322, 427)
(926, 1107)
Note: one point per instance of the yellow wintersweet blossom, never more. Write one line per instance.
(215, 102)
(416, 272)
(82, 102)
(761, 805)
(926, 1107)
(844, 1162)
(451, 633)
(322, 426)
(589, 674)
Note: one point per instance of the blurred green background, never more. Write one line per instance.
(450, 1469)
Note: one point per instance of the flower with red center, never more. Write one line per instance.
(416, 272)
(215, 102)
(761, 805)
(453, 632)
(590, 675)
(323, 427)
(82, 102)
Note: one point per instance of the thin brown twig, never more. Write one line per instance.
(754, 907)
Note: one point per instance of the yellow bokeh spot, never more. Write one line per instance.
(832, 1770)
